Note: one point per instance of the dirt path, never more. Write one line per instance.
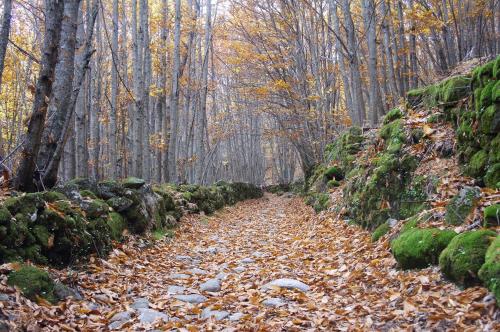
(349, 283)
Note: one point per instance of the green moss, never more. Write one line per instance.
(465, 255)
(160, 234)
(490, 120)
(414, 198)
(492, 215)
(334, 172)
(392, 115)
(380, 231)
(393, 130)
(119, 203)
(492, 177)
(42, 235)
(494, 153)
(419, 248)
(333, 183)
(495, 94)
(496, 68)
(459, 208)
(133, 183)
(117, 225)
(454, 89)
(483, 74)
(477, 164)
(52, 196)
(485, 98)
(411, 223)
(96, 208)
(5, 216)
(88, 194)
(489, 272)
(33, 282)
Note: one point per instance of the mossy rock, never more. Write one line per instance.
(411, 223)
(380, 231)
(120, 204)
(133, 183)
(42, 235)
(88, 194)
(490, 120)
(492, 176)
(489, 272)
(95, 208)
(392, 115)
(5, 216)
(414, 198)
(495, 94)
(483, 74)
(117, 225)
(110, 189)
(334, 173)
(52, 196)
(25, 204)
(496, 68)
(419, 248)
(465, 255)
(494, 152)
(492, 215)
(485, 97)
(460, 206)
(477, 164)
(33, 282)
(454, 89)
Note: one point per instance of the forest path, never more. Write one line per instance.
(348, 282)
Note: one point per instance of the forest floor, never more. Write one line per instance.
(348, 283)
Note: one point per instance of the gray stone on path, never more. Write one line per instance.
(117, 325)
(4, 297)
(288, 284)
(148, 316)
(236, 317)
(217, 314)
(221, 276)
(258, 254)
(183, 258)
(212, 285)
(179, 276)
(273, 302)
(121, 316)
(197, 271)
(176, 289)
(239, 269)
(191, 298)
(212, 250)
(140, 303)
(247, 260)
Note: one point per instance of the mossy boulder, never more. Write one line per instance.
(380, 231)
(492, 176)
(133, 183)
(454, 89)
(117, 225)
(33, 282)
(460, 206)
(464, 256)
(490, 120)
(492, 215)
(392, 115)
(419, 248)
(477, 164)
(343, 150)
(120, 204)
(95, 208)
(489, 272)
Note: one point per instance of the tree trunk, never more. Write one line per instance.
(4, 35)
(27, 167)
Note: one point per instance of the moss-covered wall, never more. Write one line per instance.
(82, 217)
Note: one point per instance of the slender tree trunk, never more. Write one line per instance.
(4, 35)
(174, 96)
(61, 89)
(27, 167)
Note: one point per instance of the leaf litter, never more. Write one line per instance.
(354, 284)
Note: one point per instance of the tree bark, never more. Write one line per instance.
(4, 35)
(27, 167)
